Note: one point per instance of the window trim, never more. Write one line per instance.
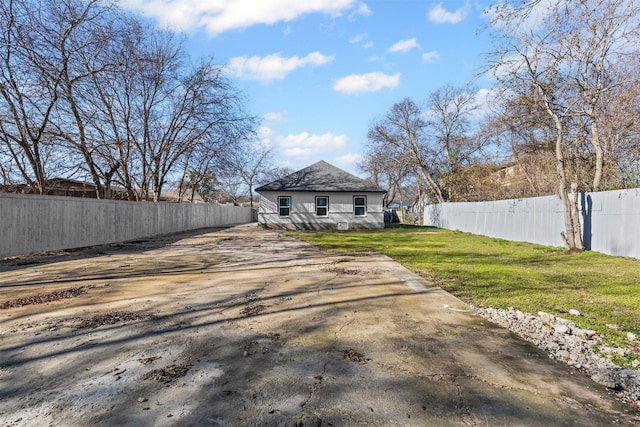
(326, 207)
(362, 206)
(285, 206)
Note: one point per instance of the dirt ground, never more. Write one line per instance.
(243, 326)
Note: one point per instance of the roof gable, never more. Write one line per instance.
(321, 177)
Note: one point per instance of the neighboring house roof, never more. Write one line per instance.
(66, 187)
(396, 205)
(321, 177)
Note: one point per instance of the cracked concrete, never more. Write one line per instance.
(264, 324)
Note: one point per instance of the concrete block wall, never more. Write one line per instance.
(31, 223)
(610, 220)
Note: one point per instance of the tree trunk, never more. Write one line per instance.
(595, 141)
(424, 172)
(575, 216)
(421, 204)
(572, 235)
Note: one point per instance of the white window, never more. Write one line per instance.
(359, 205)
(284, 205)
(322, 206)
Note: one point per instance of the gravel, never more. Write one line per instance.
(565, 342)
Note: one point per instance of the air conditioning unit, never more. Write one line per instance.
(343, 226)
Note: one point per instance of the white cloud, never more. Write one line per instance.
(482, 95)
(275, 117)
(272, 67)
(440, 15)
(363, 9)
(218, 16)
(306, 145)
(484, 99)
(265, 136)
(404, 46)
(428, 56)
(361, 38)
(348, 161)
(370, 82)
(358, 38)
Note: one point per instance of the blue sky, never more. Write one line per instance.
(319, 72)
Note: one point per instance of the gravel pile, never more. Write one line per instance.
(44, 298)
(564, 341)
(112, 318)
(167, 374)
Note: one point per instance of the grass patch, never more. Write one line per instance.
(489, 272)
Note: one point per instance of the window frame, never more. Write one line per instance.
(362, 206)
(285, 206)
(325, 207)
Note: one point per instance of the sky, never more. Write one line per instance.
(319, 72)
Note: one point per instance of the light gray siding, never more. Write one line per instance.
(303, 213)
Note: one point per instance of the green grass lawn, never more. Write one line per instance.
(490, 272)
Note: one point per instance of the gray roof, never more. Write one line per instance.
(321, 177)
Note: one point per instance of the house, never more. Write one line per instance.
(400, 206)
(321, 197)
(74, 188)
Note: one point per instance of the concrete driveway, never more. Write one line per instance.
(242, 326)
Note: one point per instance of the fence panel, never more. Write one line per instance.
(32, 223)
(610, 220)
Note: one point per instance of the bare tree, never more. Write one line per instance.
(561, 56)
(621, 131)
(402, 131)
(597, 35)
(87, 57)
(156, 117)
(179, 120)
(115, 112)
(202, 171)
(31, 76)
(248, 165)
(388, 169)
(449, 111)
(86, 88)
(528, 65)
(524, 129)
(437, 144)
(275, 173)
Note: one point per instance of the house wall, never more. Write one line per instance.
(32, 223)
(303, 214)
(610, 220)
